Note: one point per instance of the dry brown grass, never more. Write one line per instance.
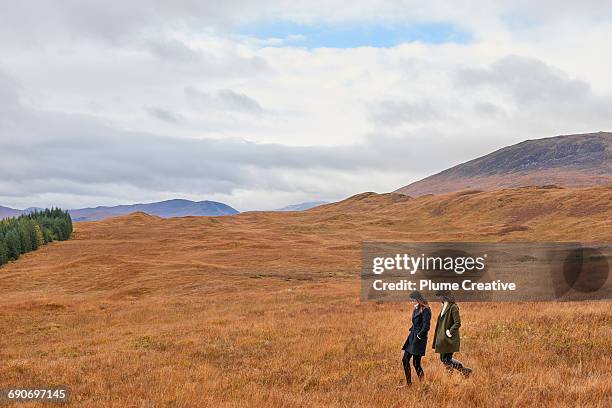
(262, 309)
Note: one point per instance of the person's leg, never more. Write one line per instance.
(418, 368)
(446, 359)
(451, 363)
(458, 365)
(406, 363)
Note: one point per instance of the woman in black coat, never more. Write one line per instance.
(416, 343)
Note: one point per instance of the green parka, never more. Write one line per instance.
(450, 321)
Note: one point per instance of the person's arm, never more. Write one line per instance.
(411, 320)
(426, 322)
(456, 321)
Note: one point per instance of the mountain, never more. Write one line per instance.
(32, 209)
(302, 206)
(580, 160)
(164, 209)
(6, 212)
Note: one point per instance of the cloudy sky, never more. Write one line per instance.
(261, 104)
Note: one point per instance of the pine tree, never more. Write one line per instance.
(40, 238)
(3, 252)
(32, 232)
(24, 236)
(13, 244)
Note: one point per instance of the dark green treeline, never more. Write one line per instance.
(28, 232)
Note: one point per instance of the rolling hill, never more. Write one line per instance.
(199, 311)
(573, 160)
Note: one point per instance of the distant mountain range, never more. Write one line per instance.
(580, 160)
(164, 209)
(302, 206)
(568, 161)
(6, 212)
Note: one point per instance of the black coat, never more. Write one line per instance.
(416, 343)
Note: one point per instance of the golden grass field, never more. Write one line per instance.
(263, 310)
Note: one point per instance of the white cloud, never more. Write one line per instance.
(159, 99)
(223, 99)
(163, 114)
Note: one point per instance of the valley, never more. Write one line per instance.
(263, 309)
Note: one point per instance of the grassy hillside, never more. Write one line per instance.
(571, 160)
(262, 309)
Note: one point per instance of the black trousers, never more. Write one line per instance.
(450, 362)
(416, 360)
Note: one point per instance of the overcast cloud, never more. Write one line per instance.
(119, 102)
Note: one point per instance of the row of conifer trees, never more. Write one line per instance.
(28, 232)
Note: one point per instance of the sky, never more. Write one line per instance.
(262, 104)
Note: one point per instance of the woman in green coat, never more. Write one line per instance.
(447, 339)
